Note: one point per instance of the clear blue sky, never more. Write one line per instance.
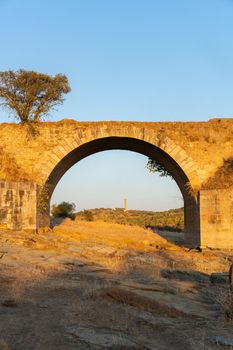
(144, 60)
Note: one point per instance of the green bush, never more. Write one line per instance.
(64, 210)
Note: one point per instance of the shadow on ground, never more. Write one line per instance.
(58, 294)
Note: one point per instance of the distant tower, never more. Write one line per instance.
(125, 204)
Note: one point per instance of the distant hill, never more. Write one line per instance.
(172, 219)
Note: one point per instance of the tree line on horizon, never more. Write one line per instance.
(171, 220)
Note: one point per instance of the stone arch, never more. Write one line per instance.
(81, 137)
(139, 140)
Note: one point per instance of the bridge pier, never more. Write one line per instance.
(216, 218)
(18, 205)
(192, 221)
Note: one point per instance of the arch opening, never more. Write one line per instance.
(191, 211)
(118, 179)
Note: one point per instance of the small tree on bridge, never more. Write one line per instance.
(31, 95)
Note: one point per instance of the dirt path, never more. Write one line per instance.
(72, 288)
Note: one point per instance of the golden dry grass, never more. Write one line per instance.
(113, 235)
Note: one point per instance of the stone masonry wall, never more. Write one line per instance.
(203, 150)
(18, 205)
(216, 214)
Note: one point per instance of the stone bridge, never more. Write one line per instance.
(199, 156)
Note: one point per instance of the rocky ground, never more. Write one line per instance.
(108, 286)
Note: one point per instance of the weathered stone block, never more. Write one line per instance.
(19, 203)
(216, 219)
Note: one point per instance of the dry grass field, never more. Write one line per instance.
(98, 285)
(172, 219)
